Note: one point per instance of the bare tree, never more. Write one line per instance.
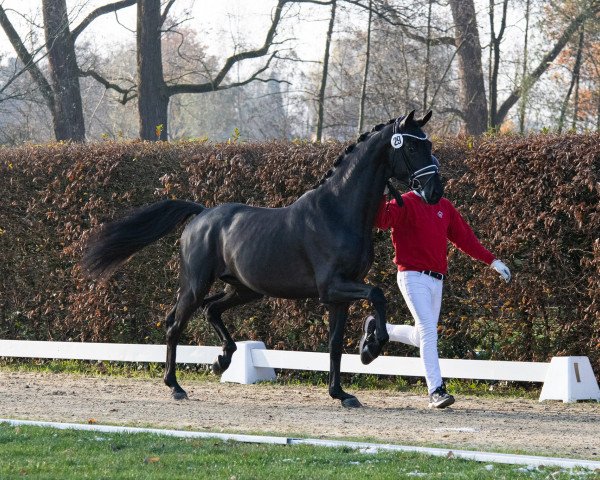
(573, 84)
(523, 101)
(577, 75)
(62, 92)
(153, 99)
(363, 90)
(64, 72)
(427, 56)
(396, 72)
(324, 72)
(590, 9)
(495, 42)
(474, 104)
(473, 90)
(154, 93)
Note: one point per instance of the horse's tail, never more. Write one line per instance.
(115, 242)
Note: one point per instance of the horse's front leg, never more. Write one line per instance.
(338, 314)
(373, 346)
(348, 291)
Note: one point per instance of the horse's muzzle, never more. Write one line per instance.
(433, 191)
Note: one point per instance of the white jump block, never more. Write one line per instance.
(570, 379)
(242, 369)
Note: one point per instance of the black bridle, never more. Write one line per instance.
(414, 176)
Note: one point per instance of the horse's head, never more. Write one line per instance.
(409, 157)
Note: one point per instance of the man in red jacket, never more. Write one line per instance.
(420, 233)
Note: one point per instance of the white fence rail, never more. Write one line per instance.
(118, 352)
(565, 378)
(404, 366)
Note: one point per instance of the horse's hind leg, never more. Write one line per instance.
(212, 298)
(234, 296)
(177, 319)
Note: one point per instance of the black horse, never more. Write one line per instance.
(320, 246)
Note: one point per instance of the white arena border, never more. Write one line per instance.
(564, 378)
(506, 458)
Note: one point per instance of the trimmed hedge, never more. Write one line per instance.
(534, 201)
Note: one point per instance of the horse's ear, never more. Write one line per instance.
(409, 118)
(425, 119)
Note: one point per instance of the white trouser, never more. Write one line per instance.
(423, 296)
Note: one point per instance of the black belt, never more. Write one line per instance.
(439, 276)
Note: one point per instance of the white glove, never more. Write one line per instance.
(502, 269)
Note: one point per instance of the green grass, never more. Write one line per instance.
(100, 368)
(34, 452)
(202, 372)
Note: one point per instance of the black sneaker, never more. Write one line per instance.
(440, 398)
(368, 335)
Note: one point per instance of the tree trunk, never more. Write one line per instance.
(574, 81)
(523, 101)
(63, 97)
(495, 42)
(598, 110)
(427, 59)
(67, 114)
(153, 101)
(591, 10)
(363, 92)
(473, 101)
(564, 106)
(321, 99)
(577, 75)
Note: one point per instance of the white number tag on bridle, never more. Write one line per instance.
(397, 140)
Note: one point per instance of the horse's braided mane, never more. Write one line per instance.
(349, 149)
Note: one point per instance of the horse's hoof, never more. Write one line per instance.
(366, 355)
(220, 365)
(216, 368)
(179, 395)
(351, 402)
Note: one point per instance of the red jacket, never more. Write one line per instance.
(420, 233)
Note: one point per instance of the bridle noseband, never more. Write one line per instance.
(414, 181)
